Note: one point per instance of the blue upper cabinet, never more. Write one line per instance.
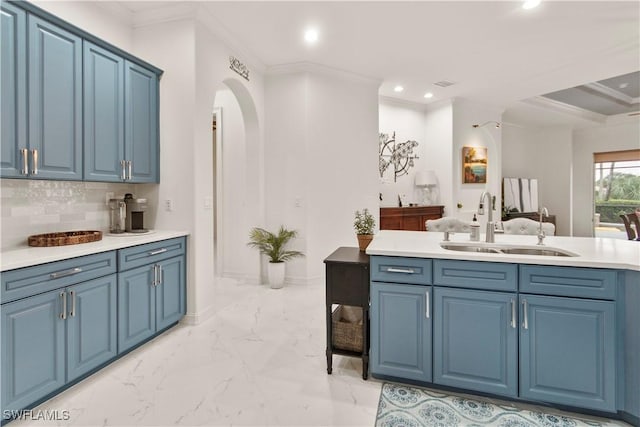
(568, 351)
(141, 124)
(13, 63)
(401, 331)
(55, 101)
(475, 340)
(103, 114)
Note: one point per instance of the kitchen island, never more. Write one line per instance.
(558, 330)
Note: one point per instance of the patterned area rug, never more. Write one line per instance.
(406, 406)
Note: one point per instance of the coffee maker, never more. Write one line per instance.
(134, 221)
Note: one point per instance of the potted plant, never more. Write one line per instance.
(273, 246)
(363, 225)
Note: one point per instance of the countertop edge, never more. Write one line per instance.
(27, 256)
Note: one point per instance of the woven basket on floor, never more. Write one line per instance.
(347, 330)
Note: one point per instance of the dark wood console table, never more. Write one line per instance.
(409, 218)
(347, 283)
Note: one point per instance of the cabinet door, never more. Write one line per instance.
(91, 325)
(13, 108)
(136, 307)
(475, 340)
(55, 101)
(401, 331)
(33, 349)
(141, 123)
(170, 292)
(567, 351)
(103, 114)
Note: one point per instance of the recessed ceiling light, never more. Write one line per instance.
(623, 85)
(311, 35)
(530, 4)
(398, 88)
(428, 95)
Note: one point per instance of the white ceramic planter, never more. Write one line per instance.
(275, 274)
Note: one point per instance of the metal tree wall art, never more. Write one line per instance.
(399, 155)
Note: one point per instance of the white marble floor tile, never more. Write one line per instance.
(259, 361)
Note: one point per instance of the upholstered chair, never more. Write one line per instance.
(448, 223)
(527, 226)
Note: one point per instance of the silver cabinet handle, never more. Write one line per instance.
(400, 270)
(63, 315)
(60, 274)
(72, 313)
(154, 282)
(525, 314)
(159, 251)
(25, 161)
(426, 311)
(513, 313)
(34, 162)
(160, 274)
(129, 162)
(123, 173)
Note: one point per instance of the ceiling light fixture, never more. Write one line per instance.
(530, 4)
(398, 88)
(486, 123)
(311, 35)
(428, 95)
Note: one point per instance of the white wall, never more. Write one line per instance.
(408, 122)
(320, 160)
(96, 18)
(614, 137)
(465, 115)
(438, 138)
(546, 155)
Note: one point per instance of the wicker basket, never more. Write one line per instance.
(347, 328)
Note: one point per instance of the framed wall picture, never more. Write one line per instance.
(474, 165)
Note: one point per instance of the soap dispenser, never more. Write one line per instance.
(475, 230)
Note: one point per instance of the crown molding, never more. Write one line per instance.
(200, 13)
(175, 11)
(624, 118)
(312, 67)
(218, 29)
(117, 10)
(561, 107)
(612, 93)
(397, 102)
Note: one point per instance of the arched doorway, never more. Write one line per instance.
(237, 189)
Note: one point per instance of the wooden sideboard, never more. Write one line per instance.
(409, 218)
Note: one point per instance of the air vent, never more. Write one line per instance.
(444, 83)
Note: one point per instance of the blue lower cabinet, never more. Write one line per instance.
(475, 340)
(91, 325)
(401, 331)
(568, 351)
(33, 349)
(150, 298)
(136, 306)
(170, 292)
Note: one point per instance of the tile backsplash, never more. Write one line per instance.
(36, 206)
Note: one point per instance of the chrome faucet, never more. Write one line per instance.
(490, 224)
(541, 234)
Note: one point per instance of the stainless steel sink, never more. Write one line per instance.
(511, 250)
(536, 251)
(469, 248)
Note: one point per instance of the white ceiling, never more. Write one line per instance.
(496, 52)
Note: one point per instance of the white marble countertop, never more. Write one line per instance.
(26, 256)
(591, 252)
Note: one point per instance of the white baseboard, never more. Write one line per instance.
(197, 318)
